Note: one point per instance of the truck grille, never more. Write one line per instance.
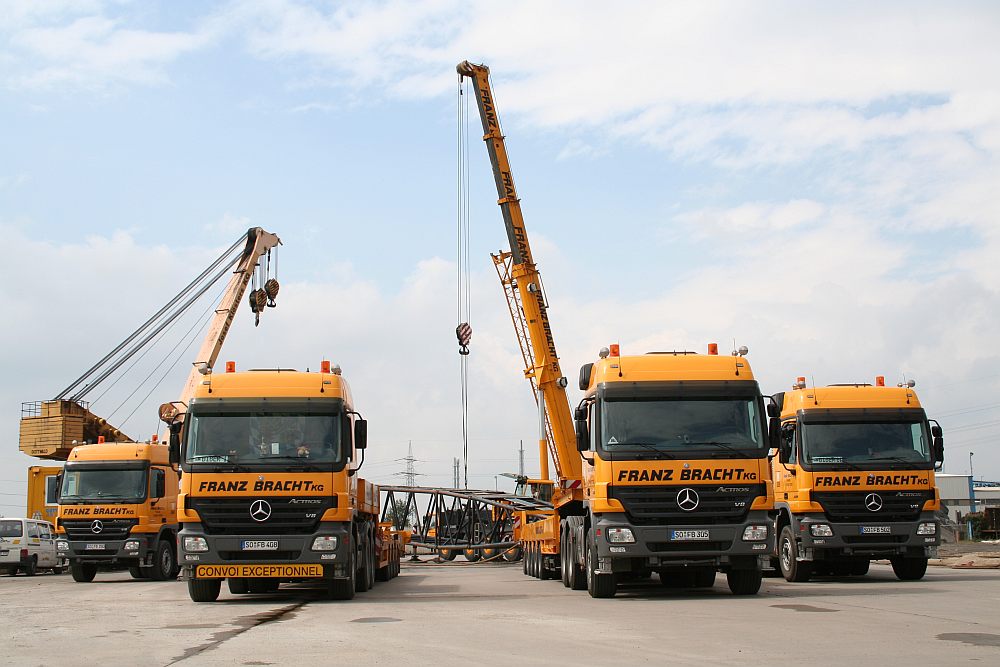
(657, 505)
(288, 516)
(111, 529)
(665, 547)
(260, 556)
(851, 506)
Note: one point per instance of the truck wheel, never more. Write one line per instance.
(343, 589)
(598, 585)
(909, 569)
(83, 573)
(564, 552)
(163, 562)
(362, 579)
(577, 576)
(791, 569)
(448, 554)
(136, 572)
(859, 568)
(32, 568)
(204, 590)
(513, 554)
(743, 582)
(705, 578)
(238, 585)
(471, 555)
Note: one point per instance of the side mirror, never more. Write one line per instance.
(773, 433)
(937, 442)
(773, 410)
(174, 443)
(582, 435)
(59, 479)
(360, 434)
(159, 484)
(585, 371)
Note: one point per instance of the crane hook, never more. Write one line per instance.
(464, 333)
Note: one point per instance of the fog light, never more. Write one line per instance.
(325, 543)
(929, 528)
(132, 545)
(62, 545)
(195, 544)
(754, 533)
(620, 535)
(820, 530)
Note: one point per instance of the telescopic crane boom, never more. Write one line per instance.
(526, 299)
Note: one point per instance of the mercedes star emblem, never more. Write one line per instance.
(873, 502)
(687, 499)
(97, 526)
(260, 510)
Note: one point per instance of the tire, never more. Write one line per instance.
(58, 569)
(137, 572)
(362, 580)
(262, 585)
(744, 582)
(705, 578)
(31, 569)
(472, 555)
(489, 553)
(526, 559)
(513, 554)
(83, 573)
(204, 590)
(11, 571)
(598, 585)
(448, 554)
(343, 589)
(859, 568)
(238, 585)
(577, 574)
(564, 556)
(544, 573)
(909, 569)
(791, 569)
(164, 563)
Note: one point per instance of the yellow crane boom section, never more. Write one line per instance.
(525, 295)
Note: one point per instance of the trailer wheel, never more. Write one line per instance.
(598, 585)
(791, 569)
(448, 554)
(743, 582)
(472, 555)
(909, 569)
(204, 590)
(83, 573)
(525, 560)
(513, 554)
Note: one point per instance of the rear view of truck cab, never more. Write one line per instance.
(854, 479)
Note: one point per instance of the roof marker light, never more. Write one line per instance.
(324, 366)
(879, 380)
(713, 348)
(230, 366)
(614, 350)
(100, 439)
(800, 383)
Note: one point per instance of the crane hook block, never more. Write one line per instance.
(271, 289)
(464, 333)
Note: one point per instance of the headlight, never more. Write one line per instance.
(620, 535)
(754, 533)
(325, 543)
(820, 530)
(62, 545)
(195, 544)
(132, 545)
(927, 529)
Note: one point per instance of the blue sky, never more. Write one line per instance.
(815, 181)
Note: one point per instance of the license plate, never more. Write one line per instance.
(688, 534)
(259, 545)
(94, 547)
(251, 570)
(875, 530)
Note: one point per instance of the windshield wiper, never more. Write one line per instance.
(647, 446)
(725, 445)
(900, 459)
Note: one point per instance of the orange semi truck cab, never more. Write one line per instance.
(118, 508)
(676, 477)
(854, 480)
(270, 491)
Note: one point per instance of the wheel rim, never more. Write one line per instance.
(165, 562)
(590, 569)
(786, 554)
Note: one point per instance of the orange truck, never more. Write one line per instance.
(118, 509)
(270, 491)
(43, 492)
(854, 479)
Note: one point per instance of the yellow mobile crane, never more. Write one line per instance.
(118, 498)
(674, 475)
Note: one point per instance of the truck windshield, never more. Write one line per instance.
(681, 424)
(865, 442)
(256, 438)
(11, 529)
(103, 483)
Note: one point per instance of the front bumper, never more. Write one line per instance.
(112, 552)
(291, 550)
(848, 539)
(666, 546)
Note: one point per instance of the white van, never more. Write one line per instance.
(28, 545)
